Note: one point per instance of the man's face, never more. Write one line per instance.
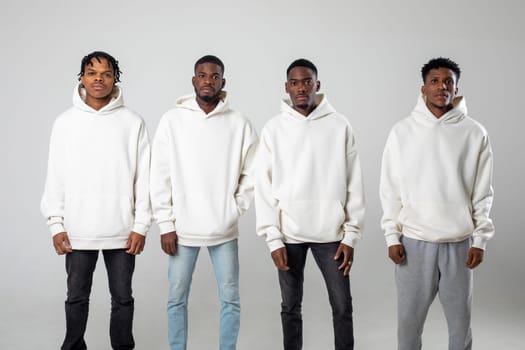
(302, 86)
(98, 79)
(439, 90)
(208, 82)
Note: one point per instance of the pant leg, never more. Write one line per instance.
(80, 265)
(455, 293)
(120, 266)
(291, 283)
(180, 272)
(417, 284)
(338, 287)
(225, 260)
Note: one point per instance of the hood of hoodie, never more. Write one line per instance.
(79, 100)
(322, 109)
(189, 102)
(458, 112)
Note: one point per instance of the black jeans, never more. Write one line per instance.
(80, 265)
(338, 286)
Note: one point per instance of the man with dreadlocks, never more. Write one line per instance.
(436, 194)
(97, 198)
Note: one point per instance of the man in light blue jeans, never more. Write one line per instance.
(200, 185)
(225, 262)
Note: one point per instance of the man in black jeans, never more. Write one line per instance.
(309, 195)
(97, 196)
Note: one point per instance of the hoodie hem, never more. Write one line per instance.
(436, 240)
(100, 244)
(287, 238)
(204, 241)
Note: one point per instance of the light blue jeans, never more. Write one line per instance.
(225, 260)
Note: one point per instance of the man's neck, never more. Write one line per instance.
(207, 107)
(438, 111)
(305, 111)
(98, 103)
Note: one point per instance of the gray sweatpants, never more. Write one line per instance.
(430, 269)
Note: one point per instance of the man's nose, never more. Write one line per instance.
(302, 86)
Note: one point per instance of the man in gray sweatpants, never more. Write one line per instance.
(436, 195)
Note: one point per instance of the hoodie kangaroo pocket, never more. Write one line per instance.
(312, 217)
(445, 220)
(202, 215)
(98, 214)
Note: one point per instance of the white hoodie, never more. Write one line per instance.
(200, 172)
(98, 172)
(308, 184)
(436, 178)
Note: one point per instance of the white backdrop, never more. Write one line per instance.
(369, 54)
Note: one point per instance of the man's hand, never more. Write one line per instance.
(135, 243)
(280, 259)
(397, 253)
(348, 258)
(475, 257)
(168, 242)
(61, 243)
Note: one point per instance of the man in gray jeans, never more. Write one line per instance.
(436, 195)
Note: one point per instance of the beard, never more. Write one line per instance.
(208, 98)
(302, 106)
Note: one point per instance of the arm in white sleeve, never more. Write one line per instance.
(355, 200)
(52, 203)
(245, 186)
(141, 183)
(390, 193)
(482, 197)
(160, 179)
(266, 205)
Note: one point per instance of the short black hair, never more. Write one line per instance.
(98, 55)
(440, 62)
(301, 62)
(209, 59)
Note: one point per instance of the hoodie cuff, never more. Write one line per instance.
(140, 228)
(350, 240)
(275, 244)
(392, 239)
(167, 226)
(479, 242)
(56, 228)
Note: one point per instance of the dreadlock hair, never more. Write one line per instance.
(440, 62)
(301, 62)
(98, 55)
(209, 59)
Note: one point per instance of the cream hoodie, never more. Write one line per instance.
(436, 178)
(308, 184)
(98, 172)
(200, 172)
